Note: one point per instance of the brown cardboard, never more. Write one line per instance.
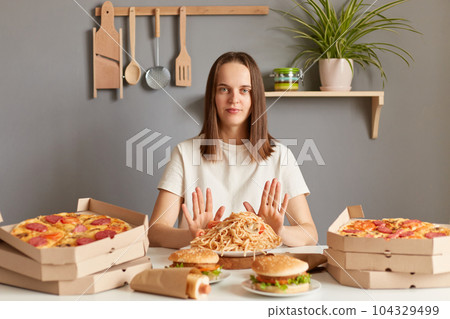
(420, 264)
(387, 280)
(116, 276)
(435, 246)
(71, 255)
(14, 260)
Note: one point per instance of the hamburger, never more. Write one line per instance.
(204, 260)
(280, 274)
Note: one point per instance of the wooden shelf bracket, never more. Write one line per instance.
(377, 104)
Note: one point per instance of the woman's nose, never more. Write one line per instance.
(234, 97)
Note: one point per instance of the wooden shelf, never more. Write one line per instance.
(377, 101)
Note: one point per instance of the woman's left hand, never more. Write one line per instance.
(270, 201)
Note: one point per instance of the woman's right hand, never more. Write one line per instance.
(202, 214)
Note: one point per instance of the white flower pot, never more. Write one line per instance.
(335, 74)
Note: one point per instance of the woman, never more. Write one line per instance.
(235, 158)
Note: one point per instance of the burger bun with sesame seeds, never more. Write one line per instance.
(280, 274)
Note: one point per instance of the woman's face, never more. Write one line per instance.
(233, 100)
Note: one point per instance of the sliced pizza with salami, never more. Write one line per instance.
(391, 228)
(68, 229)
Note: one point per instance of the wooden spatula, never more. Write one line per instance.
(183, 61)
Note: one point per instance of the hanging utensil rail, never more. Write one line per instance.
(192, 10)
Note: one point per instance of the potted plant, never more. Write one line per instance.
(336, 40)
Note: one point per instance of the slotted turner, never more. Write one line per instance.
(183, 61)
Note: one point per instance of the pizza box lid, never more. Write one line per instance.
(114, 277)
(420, 264)
(435, 246)
(14, 260)
(387, 280)
(71, 255)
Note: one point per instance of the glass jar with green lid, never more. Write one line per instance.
(286, 79)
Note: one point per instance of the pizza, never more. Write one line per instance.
(68, 229)
(391, 228)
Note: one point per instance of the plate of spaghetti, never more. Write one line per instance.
(239, 235)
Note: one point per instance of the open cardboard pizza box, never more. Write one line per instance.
(111, 278)
(387, 280)
(419, 264)
(14, 260)
(72, 255)
(435, 246)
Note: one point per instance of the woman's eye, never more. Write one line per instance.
(223, 90)
(245, 91)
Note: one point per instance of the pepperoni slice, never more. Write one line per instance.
(36, 227)
(379, 223)
(384, 230)
(84, 240)
(104, 234)
(409, 221)
(37, 241)
(406, 234)
(434, 235)
(101, 221)
(53, 219)
(79, 229)
(351, 231)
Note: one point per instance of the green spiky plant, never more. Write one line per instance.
(329, 35)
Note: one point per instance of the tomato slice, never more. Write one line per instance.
(53, 236)
(70, 220)
(209, 268)
(261, 228)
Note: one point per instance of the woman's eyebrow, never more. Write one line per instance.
(242, 86)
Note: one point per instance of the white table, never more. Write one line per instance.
(230, 288)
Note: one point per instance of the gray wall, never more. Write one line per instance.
(58, 144)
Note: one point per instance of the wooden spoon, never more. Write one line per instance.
(133, 70)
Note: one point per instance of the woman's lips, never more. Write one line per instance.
(232, 110)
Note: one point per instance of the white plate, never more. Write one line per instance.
(243, 254)
(223, 275)
(247, 285)
(239, 253)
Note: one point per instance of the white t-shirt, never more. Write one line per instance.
(232, 180)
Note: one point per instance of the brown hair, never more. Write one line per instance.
(257, 121)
